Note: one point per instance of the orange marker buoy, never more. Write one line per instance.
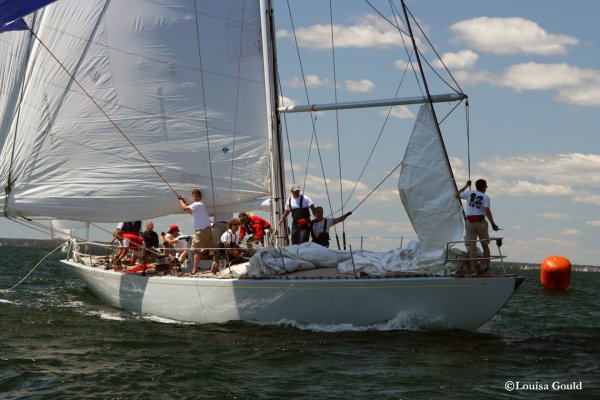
(556, 273)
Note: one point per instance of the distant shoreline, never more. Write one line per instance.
(29, 242)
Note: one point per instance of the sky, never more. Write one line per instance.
(531, 71)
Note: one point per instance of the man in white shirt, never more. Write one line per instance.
(203, 237)
(477, 207)
(299, 206)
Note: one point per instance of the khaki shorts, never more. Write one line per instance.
(203, 239)
(473, 230)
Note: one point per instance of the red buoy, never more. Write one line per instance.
(556, 273)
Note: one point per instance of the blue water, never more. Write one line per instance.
(57, 341)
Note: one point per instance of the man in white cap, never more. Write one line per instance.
(299, 205)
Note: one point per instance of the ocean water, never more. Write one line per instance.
(57, 341)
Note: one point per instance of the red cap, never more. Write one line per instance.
(173, 228)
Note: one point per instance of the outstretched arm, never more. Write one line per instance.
(343, 217)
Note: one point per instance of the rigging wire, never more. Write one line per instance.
(312, 118)
(237, 100)
(31, 224)
(337, 128)
(102, 111)
(467, 117)
(377, 187)
(409, 55)
(458, 90)
(396, 25)
(450, 112)
(212, 183)
(366, 164)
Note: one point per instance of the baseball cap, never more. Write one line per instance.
(295, 188)
(173, 228)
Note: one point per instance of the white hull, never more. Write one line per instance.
(442, 302)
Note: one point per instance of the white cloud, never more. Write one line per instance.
(398, 229)
(573, 85)
(595, 223)
(364, 85)
(536, 76)
(554, 216)
(464, 59)
(511, 36)
(380, 196)
(524, 188)
(561, 169)
(571, 175)
(359, 192)
(282, 34)
(570, 232)
(400, 112)
(365, 31)
(311, 81)
(402, 65)
(587, 198)
(305, 144)
(582, 95)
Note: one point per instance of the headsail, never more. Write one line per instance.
(184, 80)
(427, 190)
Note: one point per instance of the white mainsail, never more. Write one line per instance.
(427, 191)
(185, 82)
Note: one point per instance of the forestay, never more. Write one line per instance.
(184, 80)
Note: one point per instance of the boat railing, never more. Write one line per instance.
(453, 257)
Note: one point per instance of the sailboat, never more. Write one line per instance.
(111, 109)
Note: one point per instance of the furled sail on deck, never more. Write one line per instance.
(427, 190)
(183, 79)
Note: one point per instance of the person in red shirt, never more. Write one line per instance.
(255, 226)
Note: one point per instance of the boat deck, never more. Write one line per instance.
(171, 270)
(164, 269)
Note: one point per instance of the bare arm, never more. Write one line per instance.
(343, 217)
(184, 205)
(489, 216)
(170, 241)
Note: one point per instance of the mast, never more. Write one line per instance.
(429, 97)
(275, 137)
